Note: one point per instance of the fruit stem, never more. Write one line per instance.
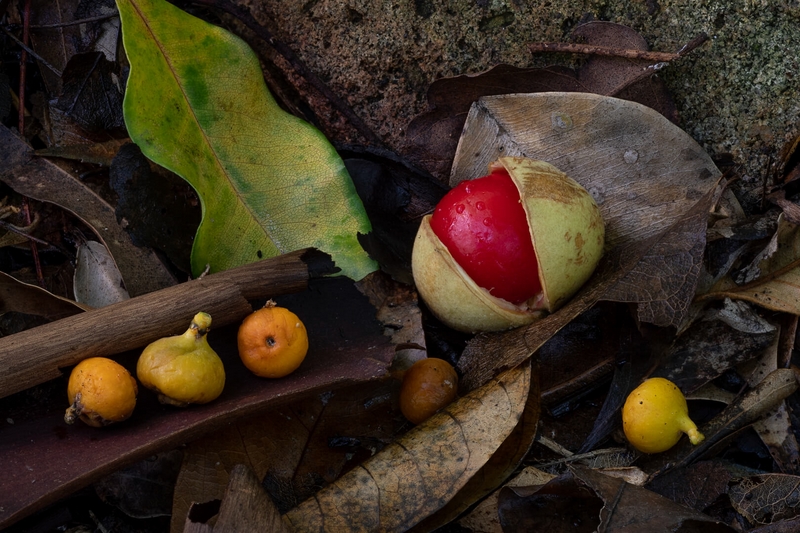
(695, 437)
(201, 324)
(74, 411)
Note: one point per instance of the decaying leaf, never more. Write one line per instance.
(700, 485)
(294, 450)
(419, 473)
(585, 500)
(766, 498)
(484, 518)
(33, 300)
(144, 489)
(98, 281)
(775, 281)
(40, 179)
(433, 136)
(244, 507)
(709, 348)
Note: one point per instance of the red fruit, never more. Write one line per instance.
(484, 227)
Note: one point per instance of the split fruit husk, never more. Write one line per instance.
(568, 235)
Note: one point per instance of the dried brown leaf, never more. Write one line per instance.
(433, 136)
(484, 518)
(37, 178)
(697, 487)
(294, 450)
(708, 349)
(776, 283)
(766, 498)
(418, 474)
(244, 507)
(590, 500)
(33, 300)
(499, 467)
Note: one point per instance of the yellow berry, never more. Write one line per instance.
(655, 415)
(183, 369)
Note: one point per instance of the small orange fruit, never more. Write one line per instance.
(272, 341)
(655, 415)
(100, 392)
(429, 385)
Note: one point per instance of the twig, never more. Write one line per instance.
(14, 229)
(610, 51)
(75, 22)
(247, 19)
(23, 60)
(27, 50)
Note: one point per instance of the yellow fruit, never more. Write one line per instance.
(183, 369)
(567, 232)
(100, 392)
(428, 385)
(272, 341)
(655, 415)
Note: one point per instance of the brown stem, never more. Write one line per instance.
(247, 19)
(23, 59)
(75, 22)
(610, 51)
(21, 232)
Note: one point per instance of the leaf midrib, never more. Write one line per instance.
(217, 160)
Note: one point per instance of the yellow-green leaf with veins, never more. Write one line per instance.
(269, 183)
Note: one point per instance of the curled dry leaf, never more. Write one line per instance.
(596, 502)
(32, 300)
(777, 276)
(97, 280)
(775, 428)
(418, 474)
(433, 136)
(42, 180)
(503, 463)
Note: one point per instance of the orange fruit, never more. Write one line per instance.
(272, 341)
(429, 385)
(100, 391)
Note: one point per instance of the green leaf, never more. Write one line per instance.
(269, 183)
